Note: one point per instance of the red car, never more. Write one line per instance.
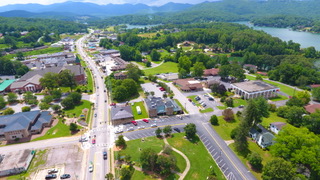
(113, 104)
(162, 89)
(190, 100)
(93, 141)
(145, 120)
(134, 123)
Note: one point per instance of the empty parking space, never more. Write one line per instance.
(149, 87)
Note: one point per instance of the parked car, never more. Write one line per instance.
(210, 99)
(105, 155)
(118, 131)
(162, 89)
(241, 106)
(90, 168)
(83, 139)
(190, 100)
(93, 141)
(193, 103)
(177, 129)
(145, 120)
(65, 176)
(134, 123)
(113, 104)
(206, 95)
(51, 176)
(130, 129)
(204, 105)
(153, 125)
(51, 171)
(197, 98)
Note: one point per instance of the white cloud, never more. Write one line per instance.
(149, 2)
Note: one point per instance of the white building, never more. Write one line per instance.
(276, 127)
(253, 89)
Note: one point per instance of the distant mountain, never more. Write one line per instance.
(82, 8)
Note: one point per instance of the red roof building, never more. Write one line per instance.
(312, 108)
(211, 72)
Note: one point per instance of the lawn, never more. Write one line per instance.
(77, 110)
(272, 118)
(182, 107)
(164, 68)
(224, 128)
(143, 114)
(138, 175)
(89, 77)
(206, 110)
(148, 35)
(199, 158)
(238, 102)
(221, 107)
(279, 98)
(71, 36)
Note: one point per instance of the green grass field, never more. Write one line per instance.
(164, 68)
(143, 114)
(77, 110)
(206, 110)
(199, 158)
(238, 102)
(224, 128)
(89, 77)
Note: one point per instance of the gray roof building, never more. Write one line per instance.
(158, 106)
(119, 113)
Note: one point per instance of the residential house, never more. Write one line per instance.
(121, 115)
(261, 136)
(276, 127)
(24, 124)
(120, 75)
(251, 67)
(211, 72)
(157, 106)
(188, 84)
(312, 108)
(210, 82)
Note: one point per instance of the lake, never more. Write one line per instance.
(306, 39)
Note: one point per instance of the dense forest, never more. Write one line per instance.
(8, 67)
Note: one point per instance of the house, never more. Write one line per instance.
(211, 72)
(157, 106)
(250, 67)
(121, 115)
(312, 108)
(253, 89)
(262, 73)
(120, 75)
(5, 85)
(24, 124)
(15, 162)
(120, 64)
(31, 80)
(314, 85)
(261, 136)
(209, 83)
(276, 127)
(188, 84)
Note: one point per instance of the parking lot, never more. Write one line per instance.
(149, 87)
(66, 159)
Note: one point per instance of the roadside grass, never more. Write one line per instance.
(182, 107)
(272, 118)
(38, 160)
(238, 102)
(279, 98)
(224, 128)
(166, 67)
(221, 107)
(141, 64)
(200, 159)
(62, 36)
(138, 175)
(89, 77)
(143, 114)
(206, 110)
(77, 110)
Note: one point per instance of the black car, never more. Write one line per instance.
(211, 99)
(105, 155)
(51, 176)
(177, 129)
(65, 176)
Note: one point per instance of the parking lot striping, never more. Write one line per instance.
(212, 151)
(155, 127)
(215, 154)
(225, 170)
(225, 154)
(209, 148)
(223, 165)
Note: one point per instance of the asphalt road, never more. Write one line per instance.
(228, 162)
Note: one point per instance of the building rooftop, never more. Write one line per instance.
(4, 84)
(254, 86)
(188, 84)
(119, 112)
(279, 125)
(14, 159)
(312, 108)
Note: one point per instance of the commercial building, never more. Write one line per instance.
(24, 124)
(120, 75)
(5, 85)
(157, 106)
(15, 162)
(121, 115)
(253, 89)
(188, 84)
(211, 72)
(169, 76)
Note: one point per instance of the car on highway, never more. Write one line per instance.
(134, 123)
(141, 127)
(130, 129)
(51, 176)
(93, 141)
(153, 125)
(51, 171)
(65, 176)
(145, 120)
(83, 139)
(95, 115)
(177, 129)
(105, 155)
(90, 168)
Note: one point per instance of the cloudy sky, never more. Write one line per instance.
(149, 2)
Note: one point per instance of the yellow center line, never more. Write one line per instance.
(225, 153)
(155, 127)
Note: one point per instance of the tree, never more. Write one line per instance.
(2, 102)
(255, 110)
(294, 114)
(240, 140)
(120, 93)
(25, 109)
(312, 122)
(155, 55)
(109, 176)
(259, 77)
(44, 106)
(190, 130)
(184, 63)
(167, 130)
(56, 94)
(12, 98)
(304, 96)
(49, 80)
(76, 97)
(295, 101)
(198, 69)
(214, 120)
(133, 72)
(158, 132)
(8, 111)
(228, 115)
(56, 107)
(278, 169)
(148, 159)
(131, 86)
(73, 127)
(67, 103)
(229, 102)
(165, 164)
(66, 79)
(47, 99)
(126, 172)
(120, 142)
(316, 93)
(221, 90)
(255, 160)
(29, 98)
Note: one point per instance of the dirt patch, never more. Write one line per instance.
(195, 176)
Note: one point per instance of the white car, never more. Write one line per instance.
(153, 125)
(130, 129)
(141, 127)
(90, 168)
(50, 171)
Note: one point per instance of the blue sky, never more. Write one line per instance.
(149, 2)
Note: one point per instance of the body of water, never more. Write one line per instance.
(306, 39)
